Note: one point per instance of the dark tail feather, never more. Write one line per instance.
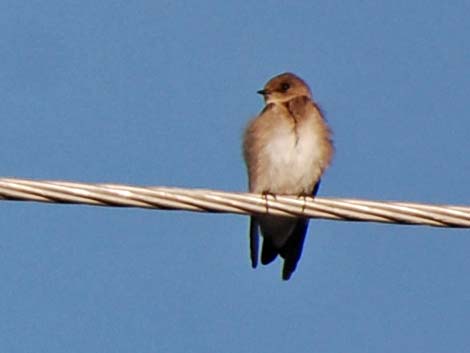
(292, 250)
(269, 252)
(254, 242)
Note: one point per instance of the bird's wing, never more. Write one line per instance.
(254, 241)
(292, 250)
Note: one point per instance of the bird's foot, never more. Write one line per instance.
(265, 195)
(304, 197)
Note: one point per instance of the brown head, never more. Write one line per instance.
(284, 87)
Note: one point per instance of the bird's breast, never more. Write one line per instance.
(292, 156)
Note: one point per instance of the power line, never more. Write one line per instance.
(202, 200)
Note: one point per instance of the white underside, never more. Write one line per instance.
(294, 159)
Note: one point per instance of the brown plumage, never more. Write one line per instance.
(287, 147)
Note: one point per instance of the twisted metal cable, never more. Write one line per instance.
(201, 200)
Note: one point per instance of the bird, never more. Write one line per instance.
(287, 147)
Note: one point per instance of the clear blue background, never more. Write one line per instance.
(158, 93)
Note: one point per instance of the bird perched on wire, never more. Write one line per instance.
(286, 148)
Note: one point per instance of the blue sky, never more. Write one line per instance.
(158, 93)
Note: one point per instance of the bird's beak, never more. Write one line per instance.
(262, 92)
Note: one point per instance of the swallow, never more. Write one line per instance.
(286, 148)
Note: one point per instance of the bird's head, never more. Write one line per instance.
(283, 88)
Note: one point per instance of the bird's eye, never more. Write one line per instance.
(285, 86)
